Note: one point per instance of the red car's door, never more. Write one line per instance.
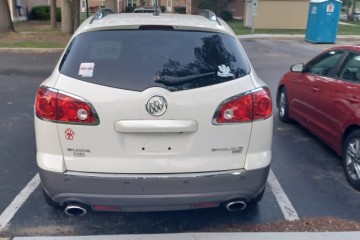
(338, 101)
(302, 98)
(305, 89)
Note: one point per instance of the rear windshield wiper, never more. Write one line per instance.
(169, 80)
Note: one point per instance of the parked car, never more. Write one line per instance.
(357, 16)
(146, 9)
(324, 96)
(150, 113)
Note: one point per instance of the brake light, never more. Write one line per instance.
(59, 107)
(254, 105)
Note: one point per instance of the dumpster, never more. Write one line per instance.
(323, 21)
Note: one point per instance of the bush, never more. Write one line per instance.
(129, 9)
(180, 9)
(226, 15)
(43, 13)
(163, 8)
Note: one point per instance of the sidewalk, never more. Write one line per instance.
(294, 36)
(214, 236)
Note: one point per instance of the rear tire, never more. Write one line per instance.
(49, 201)
(283, 109)
(351, 158)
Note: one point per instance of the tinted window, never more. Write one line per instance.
(139, 59)
(324, 64)
(351, 68)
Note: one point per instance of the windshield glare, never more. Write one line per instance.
(136, 59)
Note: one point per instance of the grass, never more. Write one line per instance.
(39, 34)
(34, 34)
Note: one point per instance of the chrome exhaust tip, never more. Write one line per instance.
(75, 209)
(234, 206)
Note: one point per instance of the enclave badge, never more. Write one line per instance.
(156, 105)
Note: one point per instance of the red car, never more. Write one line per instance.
(323, 95)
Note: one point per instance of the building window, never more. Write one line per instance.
(132, 3)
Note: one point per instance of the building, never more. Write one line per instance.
(237, 7)
(120, 5)
(277, 14)
(20, 9)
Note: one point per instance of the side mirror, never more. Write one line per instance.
(299, 67)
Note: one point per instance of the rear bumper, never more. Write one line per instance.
(153, 192)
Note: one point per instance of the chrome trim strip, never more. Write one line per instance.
(235, 172)
(156, 126)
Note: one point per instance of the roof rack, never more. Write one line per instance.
(101, 13)
(208, 14)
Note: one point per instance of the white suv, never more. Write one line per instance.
(151, 112)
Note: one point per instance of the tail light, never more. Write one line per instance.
(56, 106)
(247, 107)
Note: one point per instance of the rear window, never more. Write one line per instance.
(140, 59)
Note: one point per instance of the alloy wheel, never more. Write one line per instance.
(352, 159)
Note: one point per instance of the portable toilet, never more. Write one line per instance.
(323, 21)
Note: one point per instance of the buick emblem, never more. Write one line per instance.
(156, 105)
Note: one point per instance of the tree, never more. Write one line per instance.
(76, 11)
(6, 25)
(353, 9)
(350, 9)
(70, 16)
(214, 5)
(53, 13)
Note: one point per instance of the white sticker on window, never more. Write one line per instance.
(224, 71)
(86, 69)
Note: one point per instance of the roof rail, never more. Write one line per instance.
(101, 13)
(208, 14)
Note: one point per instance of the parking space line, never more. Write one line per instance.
(285, 205)
(18, 201)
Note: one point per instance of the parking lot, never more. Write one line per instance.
(307, 178)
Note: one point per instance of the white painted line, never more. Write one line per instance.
(18, 201)
(285, 205)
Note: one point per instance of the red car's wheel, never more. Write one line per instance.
(283, 106)
(351, 158)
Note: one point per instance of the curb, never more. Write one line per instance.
(31, 50)
(294, 37)
(215, 236)
(351, 38)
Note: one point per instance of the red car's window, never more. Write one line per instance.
(351, 68)
(324, 64)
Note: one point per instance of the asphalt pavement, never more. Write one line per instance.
(209, 236)
(215, 236)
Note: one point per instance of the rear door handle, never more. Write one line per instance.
(316, 89)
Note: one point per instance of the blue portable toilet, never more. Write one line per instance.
(323, 21)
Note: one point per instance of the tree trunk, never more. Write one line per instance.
(76, 13)
(67, 17)
(348, 13)
(6, 25)
(53, 13)
(353, 10)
